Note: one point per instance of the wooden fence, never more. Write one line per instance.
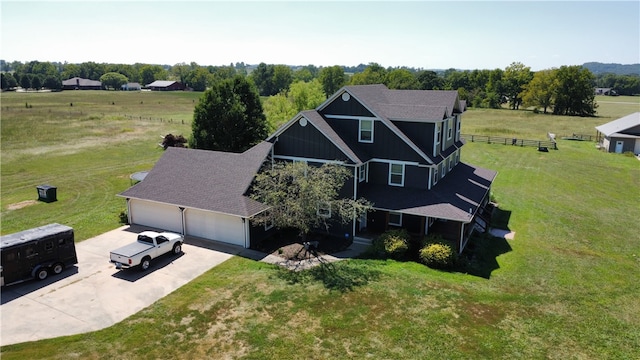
(549, 144)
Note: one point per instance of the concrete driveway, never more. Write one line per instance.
(94, 295)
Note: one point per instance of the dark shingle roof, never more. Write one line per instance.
(456, 197)
(76, 81)
(208, 180)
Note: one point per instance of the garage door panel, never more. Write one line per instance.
(214, 226)
(161, 216)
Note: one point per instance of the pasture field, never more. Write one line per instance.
(565, 288)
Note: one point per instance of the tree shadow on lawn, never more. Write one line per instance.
(479, 258)
(341, 276)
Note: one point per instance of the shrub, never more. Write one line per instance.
(393, 244)
(124, 218)
(438, 253)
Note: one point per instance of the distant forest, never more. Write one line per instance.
(516, 85)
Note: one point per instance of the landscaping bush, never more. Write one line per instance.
(392, 244)
(438, 253)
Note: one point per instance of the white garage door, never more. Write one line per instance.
(214, 226)
(161, 216)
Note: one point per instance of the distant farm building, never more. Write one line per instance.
(131, 87)
(165, 85)
(605, 91)
(622, 135)
(77, 83)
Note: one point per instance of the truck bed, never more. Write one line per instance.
(132, 249)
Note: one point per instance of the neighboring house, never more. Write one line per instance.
(131, 87)
(201, 193)
(77, 83)
(621, 135)
(605, 91)
(165, 85)
(402, 147)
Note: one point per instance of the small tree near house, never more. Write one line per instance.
(305, 197)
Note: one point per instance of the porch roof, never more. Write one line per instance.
(456, 197)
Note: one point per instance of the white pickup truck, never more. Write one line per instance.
(149, 246)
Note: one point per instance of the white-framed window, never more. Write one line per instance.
(362, 172)
(268, 224)
(450, 163)
(396, 174)
(324, 209)
(365, 133)
(450, 129)
(458, 126)
(438, 133)
(443, 172)
(435, 175)
(395, 218)
(458, 157)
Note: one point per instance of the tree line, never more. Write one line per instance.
(565, 90)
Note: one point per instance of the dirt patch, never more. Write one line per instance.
(21, 204)
(289, 246)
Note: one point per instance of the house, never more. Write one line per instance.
(201, 193)
(621, 135)
(403, 148)
(165, 85)
(77, 83)
(131, 87)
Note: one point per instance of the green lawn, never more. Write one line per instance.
(565, 288)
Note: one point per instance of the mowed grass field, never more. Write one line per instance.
(566, 287)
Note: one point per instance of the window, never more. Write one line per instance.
(268, 224)
(450, 163)
(443, 172)
(48, 246)
(362, 172)
(435, 175)
(324, 209)
(396, 174)
(395, 218)
(458, 126)
(438, 133)
(366, 131)
(450, 129)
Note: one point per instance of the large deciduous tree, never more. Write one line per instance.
(372, 74)
(332, 79)
(305, 197)
(401, 79)
(539, 92)
(228, 117)
(574, 93)
(113, 80)
(516, 77)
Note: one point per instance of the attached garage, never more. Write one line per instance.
(157, 215)
(210, 225)
(200, 193)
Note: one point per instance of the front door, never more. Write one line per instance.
(619, 145)
(363, 222)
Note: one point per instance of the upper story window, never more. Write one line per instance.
(366, 131)
(450, 129)
(362, 172)
(438, 133)
(458, 126)
(396, 174)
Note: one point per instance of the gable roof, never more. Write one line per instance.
(162, 83)
(620, 125)
(457, 197)
(77, 81)
(207, 180)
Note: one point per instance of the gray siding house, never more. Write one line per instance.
(621, 135)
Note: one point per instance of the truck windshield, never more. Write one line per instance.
(145, 239)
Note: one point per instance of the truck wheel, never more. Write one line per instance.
(57, 268)
(42, 273)
(177, 249)
(145, 263)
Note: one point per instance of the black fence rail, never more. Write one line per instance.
(540, 144)
(580, 137)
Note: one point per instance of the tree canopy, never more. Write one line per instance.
(305, 197)
(113, 80)
(228, 117)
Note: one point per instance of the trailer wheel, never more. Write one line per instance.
(57, 268)
(42, 273)
(177, 248)
(145, 263)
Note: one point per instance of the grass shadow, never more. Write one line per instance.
(341, 276)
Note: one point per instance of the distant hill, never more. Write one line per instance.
(618, 69)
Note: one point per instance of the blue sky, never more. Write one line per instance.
(421, 34)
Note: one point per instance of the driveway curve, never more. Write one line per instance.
(93, 295)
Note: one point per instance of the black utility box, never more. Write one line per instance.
(47, 193)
